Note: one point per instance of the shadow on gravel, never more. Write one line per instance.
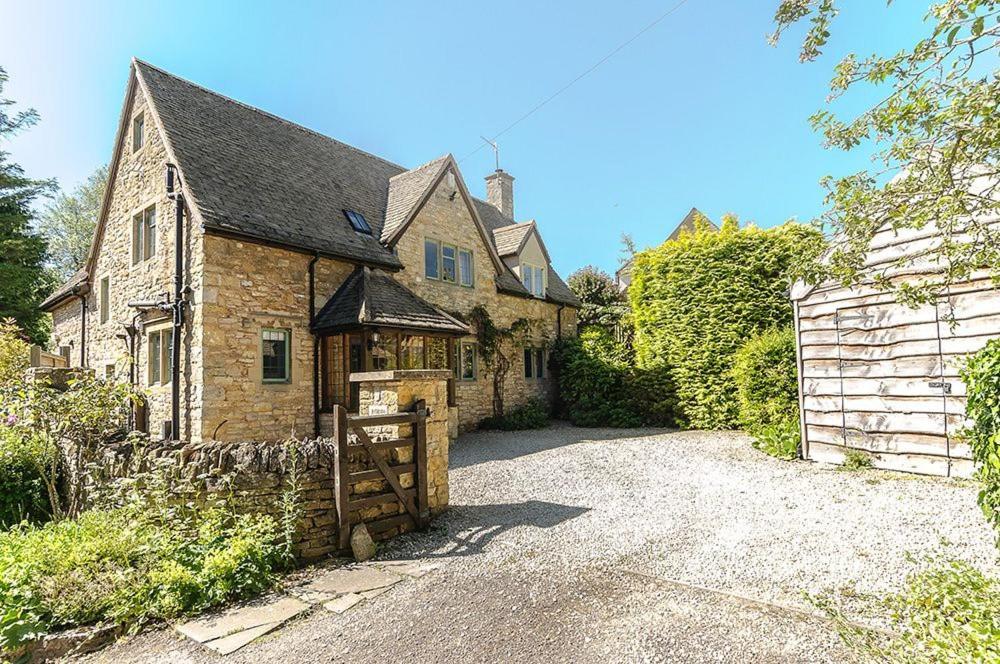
(465, 530)
(485, 446)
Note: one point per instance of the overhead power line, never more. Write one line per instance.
(563, 89)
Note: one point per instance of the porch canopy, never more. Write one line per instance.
(374, 323)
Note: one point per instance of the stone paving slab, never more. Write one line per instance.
(231, 630)
(330, 584)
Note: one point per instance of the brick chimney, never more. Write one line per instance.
(500, 192)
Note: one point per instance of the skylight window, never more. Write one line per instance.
(358, 222)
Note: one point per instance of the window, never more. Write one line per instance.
(466, 369)
(432, 263)
(412, 352)
(465, 267)
(138, 132)
(109, 371)
(105, 302)
(437, 352)
(358, 222)
(448, 266)
(144, 235)
(533, 278)
(534, 363)
(384, 357)
(159, 356)
(276, 355)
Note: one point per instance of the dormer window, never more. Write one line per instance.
(358, 222)
(533, 279)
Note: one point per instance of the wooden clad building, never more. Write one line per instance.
(878, 376)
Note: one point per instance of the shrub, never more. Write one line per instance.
(945, 613)
(981, 376)
(599, 388)
(856, 460)
(23, 496)
(126, 566)
(697, 299)
(532, 415)
(765, 373)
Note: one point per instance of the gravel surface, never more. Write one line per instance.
(571, 544)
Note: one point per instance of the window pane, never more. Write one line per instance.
(136, 239)
(384, 352)
(526, 273)
(274, 348)
(527, 363)
(539, 282)
(431, 269)
(413, 352)
(153, 358)
(166, 355)
(437, 353)
(465, 267)
(448, 263)
(149, 233)
(539, 363)
(468, 361)
(138, 132)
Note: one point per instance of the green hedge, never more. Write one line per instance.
(981, 375)
(599, 387)
(765, 373)
(697, 299)
(23, 496)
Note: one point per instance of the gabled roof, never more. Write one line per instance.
(66, 290)
(510, 239)
(373, 298)
(405, 191)
(255, 174)
(688, 223)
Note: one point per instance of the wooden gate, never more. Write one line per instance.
(356, 452)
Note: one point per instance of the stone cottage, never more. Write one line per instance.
(243, 267)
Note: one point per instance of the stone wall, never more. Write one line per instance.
(446, 217)
(138, 184)
(249, 287)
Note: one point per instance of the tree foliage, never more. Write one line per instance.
(23, 280)
(68, 224)
(697, 299)
(935, 128)
(602, 304)
(981, 376)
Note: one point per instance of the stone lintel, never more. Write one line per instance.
(395, 375)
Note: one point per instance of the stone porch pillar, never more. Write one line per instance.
(388, 392)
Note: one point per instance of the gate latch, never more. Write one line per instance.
(944, 386)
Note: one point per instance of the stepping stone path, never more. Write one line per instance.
(337, 589)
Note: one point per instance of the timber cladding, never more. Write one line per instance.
(878, 376)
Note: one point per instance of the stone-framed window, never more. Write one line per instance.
(534, 363)
(466, 364)
(276, 355)
(144, 235)
(533, 279)
(138, 132)
(159, 356)
(105, 295)
(109, 371)
(448, 263)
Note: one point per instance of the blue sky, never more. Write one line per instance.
(699, 111)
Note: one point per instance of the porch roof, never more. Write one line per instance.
(372, 298)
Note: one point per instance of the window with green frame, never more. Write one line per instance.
(448, 263)
(276, 361)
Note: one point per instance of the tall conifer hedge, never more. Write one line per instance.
(697, 299)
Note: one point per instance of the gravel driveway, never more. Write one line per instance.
(582, 545)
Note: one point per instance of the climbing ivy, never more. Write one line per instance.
(497, 348)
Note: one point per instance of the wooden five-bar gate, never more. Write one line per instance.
(354, 445)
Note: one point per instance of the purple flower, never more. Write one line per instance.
(11, 420)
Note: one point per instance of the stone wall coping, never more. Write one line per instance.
(400, 375)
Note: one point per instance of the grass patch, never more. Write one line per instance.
(947, 612)
(856, 460)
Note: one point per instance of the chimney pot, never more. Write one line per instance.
(500, 192)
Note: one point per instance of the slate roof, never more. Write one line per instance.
(373, 298)
(65, 290)
(255, 174)
(405, 190)
(508, 239)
